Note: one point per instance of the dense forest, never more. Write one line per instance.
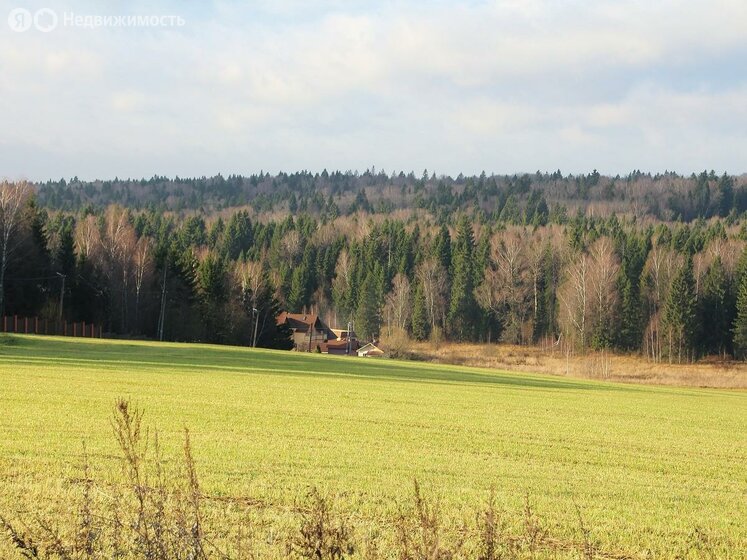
(654, 265)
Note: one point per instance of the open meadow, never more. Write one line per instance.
(655, 472)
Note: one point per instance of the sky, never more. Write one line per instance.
(504, 86)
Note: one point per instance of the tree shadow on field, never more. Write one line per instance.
(190, 358)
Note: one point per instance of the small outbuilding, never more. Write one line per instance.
(370, 350)
(339, 347)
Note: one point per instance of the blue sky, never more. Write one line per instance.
(502, 86)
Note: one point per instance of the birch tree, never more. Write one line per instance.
(13, 198)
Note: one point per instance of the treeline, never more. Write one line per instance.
(517, 199)
(668, 290)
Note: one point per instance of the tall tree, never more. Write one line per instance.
(433, 281)
(399, 303)
(715, 312)
(739, 328)
(368, 314)
(680, 314)
(421, 326)
(603, 272)
(213, 289)
(463, 309)
(13, 198)
(575, 298)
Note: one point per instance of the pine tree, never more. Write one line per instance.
(680, 313)
(269, 333)
(297, 297)
(211, 276)
(739, 328)
(368, 313)
(715, 312)
(463, 309)
(442, 247)
(238, 235)
(635, 252)
(420, 323)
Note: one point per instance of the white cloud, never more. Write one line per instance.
(505, 86)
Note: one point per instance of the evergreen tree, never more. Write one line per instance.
(298, 294)
(463, 309)
(420, 324)
(680, 313)
(269, 333)
(368, 313)
(442, 247)
(214, 295)
(238, 235)
(634, 253)
(715, 312)
(740, 322)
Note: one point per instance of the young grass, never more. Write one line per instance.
(657, 472)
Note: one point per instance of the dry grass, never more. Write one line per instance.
(626, 368)
(151, 514)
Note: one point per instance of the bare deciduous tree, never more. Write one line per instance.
(433, 278)
(117, 248)
(251, 278)
(660, 267)
(398, 303)
(87, 237)
(143, 265)
(13, 198)
(574, 298)
(604, 271)
(341, 285)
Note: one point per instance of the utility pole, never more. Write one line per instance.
(255, 312)
(350, 344)
(62, 292)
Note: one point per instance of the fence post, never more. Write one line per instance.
(15, 324)
(75, 330)
(100, 331)
(83, 330)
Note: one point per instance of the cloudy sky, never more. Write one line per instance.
(502, 86)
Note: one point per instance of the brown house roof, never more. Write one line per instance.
(302, 322)
(338, 346)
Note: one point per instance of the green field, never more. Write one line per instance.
(649, 467)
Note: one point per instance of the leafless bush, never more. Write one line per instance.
(420, 534)
(154, 515)
(322, 535)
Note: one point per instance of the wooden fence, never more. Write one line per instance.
(35, 325)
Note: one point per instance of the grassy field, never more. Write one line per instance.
(654, 470)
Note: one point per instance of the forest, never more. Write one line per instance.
(648, 264)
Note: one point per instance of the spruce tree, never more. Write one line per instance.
(715, 314)
(739, 328)
(368, 314)
(740, 322)
(442, 247)
(420, 323)
(680, 313)
(463, 309)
